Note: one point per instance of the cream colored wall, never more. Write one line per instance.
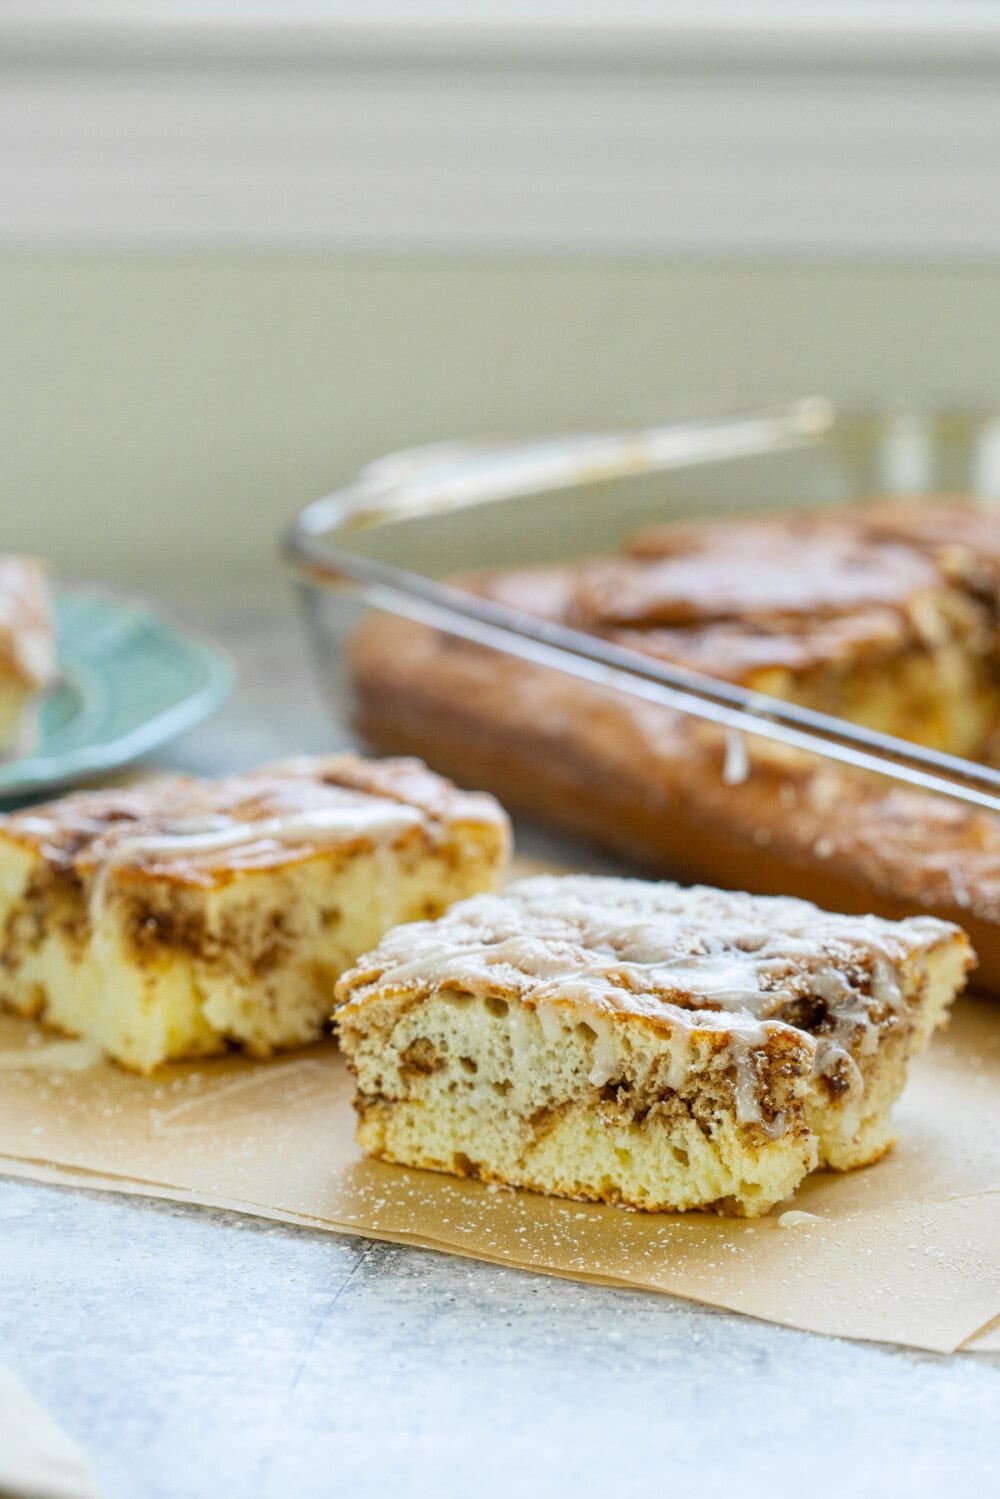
(166, 413)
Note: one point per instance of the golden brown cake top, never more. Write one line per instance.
(677, 958)
(27, 649)
(196, 831)
(774, 567)
(944, 526)
(735, 597)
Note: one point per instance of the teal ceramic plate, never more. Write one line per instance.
(128, 681)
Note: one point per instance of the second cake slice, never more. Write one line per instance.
(642, 1043)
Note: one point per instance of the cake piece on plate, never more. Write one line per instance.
(27, 642)
(642, 1043)
(176, 917)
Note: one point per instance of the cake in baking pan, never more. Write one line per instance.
(640, 1043)
(885, 614)
(178, 917)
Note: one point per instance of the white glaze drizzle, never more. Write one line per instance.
(552, 1019)
(195, 837)
(522, 1036)
(796, 1219)
(604, 1058)
(736, 766)
(54, 1056)
(198, 839)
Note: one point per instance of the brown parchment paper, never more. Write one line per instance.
(907, 1251)
(987, 1341)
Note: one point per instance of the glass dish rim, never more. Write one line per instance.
(316, 548)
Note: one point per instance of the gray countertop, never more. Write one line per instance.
(194, 1353)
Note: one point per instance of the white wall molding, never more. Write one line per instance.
(468, 135)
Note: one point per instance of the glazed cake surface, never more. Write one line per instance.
(178, 917)
(660, 1047)
(27, 642)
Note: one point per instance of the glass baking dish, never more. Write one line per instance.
(386, 543)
